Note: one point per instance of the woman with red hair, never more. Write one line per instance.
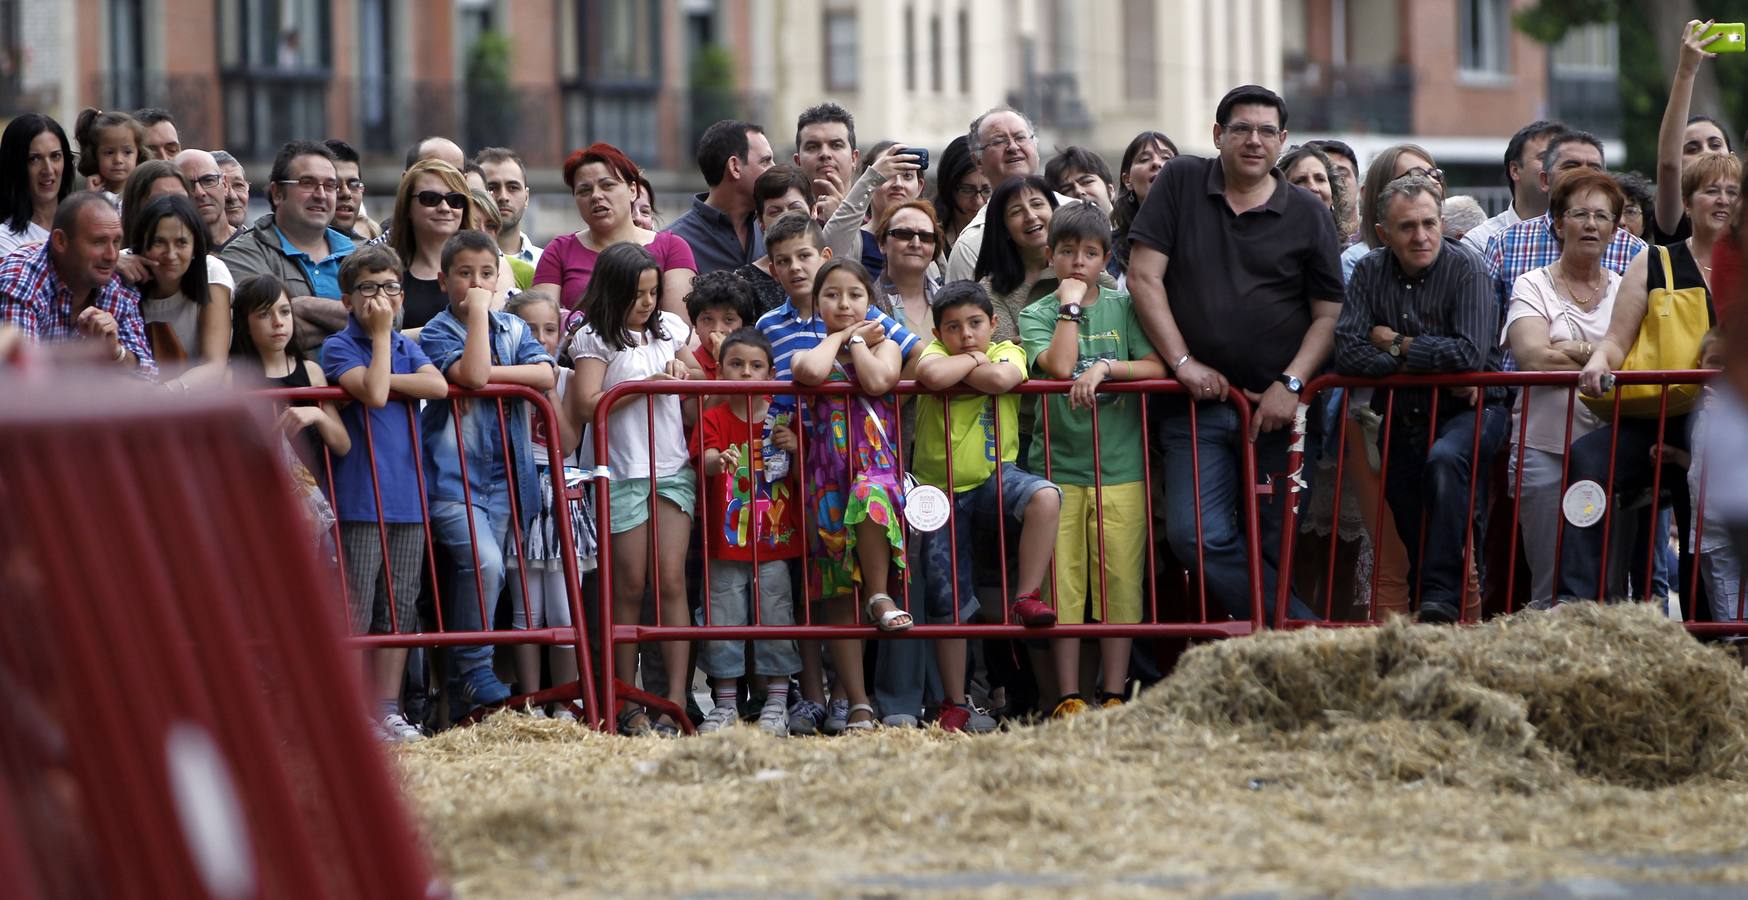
(603, 181)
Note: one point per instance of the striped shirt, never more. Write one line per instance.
(33, 297)
(790, 335)
(1447, 310)
(1530, 245)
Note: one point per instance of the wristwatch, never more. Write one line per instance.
(858, 339)
(1293, 384)
(1396, 344)
(1070, 312)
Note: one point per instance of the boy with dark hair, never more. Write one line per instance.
(721, 303)
(1083, 175)
(1091, 334)
(481, 522)
(376, 493)
(967, 447)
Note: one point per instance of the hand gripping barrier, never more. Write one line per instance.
(1518, 547)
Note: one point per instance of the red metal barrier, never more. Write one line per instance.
(1484, 564)
(1156, 622)
(182, 718)
(573, 635)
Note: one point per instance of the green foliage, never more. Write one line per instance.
(713, 93)
(491, 101)
(1549, 20)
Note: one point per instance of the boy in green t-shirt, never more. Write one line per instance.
(1091, 334)
(978, 438)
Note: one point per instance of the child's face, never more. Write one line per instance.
(1711, 356)
(542, 319)
(965, 328)
(117, 154)
(843, 300)
(744, 362)
(716, 323)
(354, 299)
(1078, 259)
(643, 303)
(469, 269)
(270, 326)
(794, 263)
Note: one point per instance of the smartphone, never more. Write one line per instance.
(922, 155)
(1733, 37)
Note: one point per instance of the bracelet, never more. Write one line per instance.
(120, 353)
(1110, 370)
(1179, 364)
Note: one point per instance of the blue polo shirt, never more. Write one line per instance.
(393, 443)
(324, 273)
(710, 233)
(790, 334)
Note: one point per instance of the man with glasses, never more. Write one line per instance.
(1249, 300)
(349, 214)
(296, 243)
(236, 189)
(1004, 144)
(202, 172)
(1420, 304)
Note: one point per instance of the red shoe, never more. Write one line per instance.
(1034, 613)
(954, 718)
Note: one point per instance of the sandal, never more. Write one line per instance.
(889, 621)
(628, 718)
(665, 727)
(868, 724)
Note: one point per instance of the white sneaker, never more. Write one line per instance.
(395, 729)
(535, 710)
(774, 719)
(718, 718)
(566, 712)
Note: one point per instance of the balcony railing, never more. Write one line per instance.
(1364, 99)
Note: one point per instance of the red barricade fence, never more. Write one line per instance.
(1495, 568)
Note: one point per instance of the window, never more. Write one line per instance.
(1484, 28)
(910, 49)
(274, 58)
(935, 53)
(620, 39)
(964, 28)
(612, 83)
(842, 64)
(375, 75)
(1140, 60)
(127, 54)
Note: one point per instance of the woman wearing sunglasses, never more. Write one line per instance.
(431, 204)
(603, 181)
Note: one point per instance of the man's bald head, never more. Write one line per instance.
(436, 147)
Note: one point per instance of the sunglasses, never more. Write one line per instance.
(905, 235)
(430, 199)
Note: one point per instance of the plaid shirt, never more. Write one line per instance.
(33, 297)
(1529, 245)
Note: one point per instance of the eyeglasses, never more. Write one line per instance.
(906, 235)
(1437, 175)
(1000, 142)
(372, 288)
(1632, 212)
(312, 184)
(430, 199)
(209, 181)
(1582, 216)
(1243, 131)
(972, 190)
(355, 185)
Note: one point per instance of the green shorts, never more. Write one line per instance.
(630, 503)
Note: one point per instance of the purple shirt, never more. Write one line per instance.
(568, 264)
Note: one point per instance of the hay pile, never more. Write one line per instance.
(1592, 742)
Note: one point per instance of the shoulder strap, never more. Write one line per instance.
(1668, 268)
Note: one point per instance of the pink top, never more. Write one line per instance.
(568, 264)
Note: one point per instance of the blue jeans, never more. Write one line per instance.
(472, 664)
(1581, 549)
(974, 515)
(1219, 447)
(1433, 486)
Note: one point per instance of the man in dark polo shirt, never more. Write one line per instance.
(1236, 278)
(722, 227)
(1419, 305)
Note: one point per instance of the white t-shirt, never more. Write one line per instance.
(182, 313)
(629, 440)
(12, 240)
(1533, 295)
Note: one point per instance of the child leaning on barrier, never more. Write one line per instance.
(1090, 334)
(479, 461)
(547, 602)
(984, 484)
(370, 359)
(751, 512)
(630, 338)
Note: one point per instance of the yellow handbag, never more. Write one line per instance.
(1676, 321)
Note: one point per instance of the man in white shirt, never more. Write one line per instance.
(1523, 169)
(1004, 144)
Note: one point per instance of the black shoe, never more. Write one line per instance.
(1437, 614)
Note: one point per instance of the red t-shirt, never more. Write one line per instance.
(732, 503)
(706, 362)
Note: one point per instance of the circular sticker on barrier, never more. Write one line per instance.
(1584, 503)
(926, 507)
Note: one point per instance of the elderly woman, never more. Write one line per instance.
(1709, 193)
(603, 181)
(1557, 315)
(1312, 169)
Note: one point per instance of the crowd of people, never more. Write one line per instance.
(1250, 272)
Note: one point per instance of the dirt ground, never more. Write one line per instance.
(1588, 752)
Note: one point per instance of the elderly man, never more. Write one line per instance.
(436, 147)
(68, 288)
(202, 171)
(1004, 144)
(1422, 304)
(722, 227)
(236, 189)
(296, 243)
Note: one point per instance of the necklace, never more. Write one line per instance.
(1595, 293)
(1705, 271)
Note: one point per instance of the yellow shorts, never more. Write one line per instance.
(1124, 566)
